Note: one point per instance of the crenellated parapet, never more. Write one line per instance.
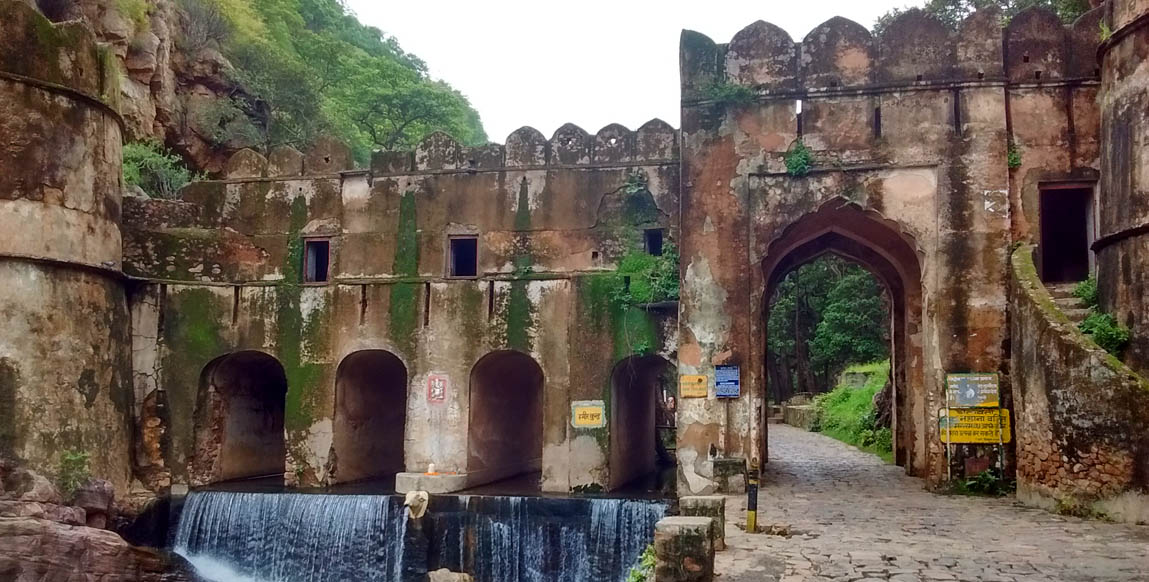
(913, 49)
(527, 148)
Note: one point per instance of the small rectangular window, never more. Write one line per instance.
(464, 257)
(316, 260)
(654, 241)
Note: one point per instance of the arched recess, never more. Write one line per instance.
(636, 389)
(506, 417)
(881, 246)
(370, 415)
(239, 429)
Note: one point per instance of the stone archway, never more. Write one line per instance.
(370, 415)
(635, 389)
(505, 437)
(239, 424)
(879, 245)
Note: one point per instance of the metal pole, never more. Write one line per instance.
(949, 461)
(752, 498)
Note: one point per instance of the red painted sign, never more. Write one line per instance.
(437, 385)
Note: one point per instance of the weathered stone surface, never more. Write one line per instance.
(24, 484)
(684, 549)
(445, 575)
(35, 550)
(712, 506)
(96, 498)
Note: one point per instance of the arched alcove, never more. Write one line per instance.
(506, 417)
(370, 415)
(876, 243)
(636, 387)
(240, 424)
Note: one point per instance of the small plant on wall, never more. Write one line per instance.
(1013, 155)
(799, 159)
(73, 472)
(729, 93)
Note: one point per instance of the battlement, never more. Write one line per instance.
(63, 55)
(914, 49)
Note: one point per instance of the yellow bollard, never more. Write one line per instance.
(752, 498)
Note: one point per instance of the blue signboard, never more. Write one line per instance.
(727, 382)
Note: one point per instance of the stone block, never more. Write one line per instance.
(684, 549)
(445, 575)
(712, 506)
(433, 484)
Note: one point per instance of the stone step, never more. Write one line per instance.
(1077, 314)
(1061, 290)
(1068, 302)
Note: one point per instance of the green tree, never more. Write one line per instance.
(953, 12)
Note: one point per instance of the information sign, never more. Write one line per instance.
(692, 386)
(727, 382)
(972, 390)
(588, 414)
(974, 425)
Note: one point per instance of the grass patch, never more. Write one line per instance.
(848, 414)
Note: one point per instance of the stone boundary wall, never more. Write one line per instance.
(914, 50)
(526, 149)
(1079, 413)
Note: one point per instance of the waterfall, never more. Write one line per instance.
(274, 537)
(265, 537)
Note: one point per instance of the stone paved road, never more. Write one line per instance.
(855, 518)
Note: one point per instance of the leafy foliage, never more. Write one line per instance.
(158, 172)
(728, 93)
(1086, 291)
(309, 67)
(1104, 32)
(73, 471)
(1013, 156)
(643, 571)
(799, 158)
(989, 483)
(652, 278)
(848, 414)
(824, 316)
(1105, 331)
(953, 12)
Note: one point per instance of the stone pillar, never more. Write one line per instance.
(684, 549)
(712, 506)
(1123, 244)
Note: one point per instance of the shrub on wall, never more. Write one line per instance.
(799, 159)
(1105, 332)
(1086, 291)
(155, 170)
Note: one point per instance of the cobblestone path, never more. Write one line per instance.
(854, 518)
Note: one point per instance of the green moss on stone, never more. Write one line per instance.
(404, 305)
(303, 379)
(519, 313)
(407, 243)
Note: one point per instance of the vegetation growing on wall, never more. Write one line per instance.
(309, 67)
(1101, 327)
(729, 93)
(799, 158)
(848, 414)
(73, 472)
(155, 170)
(824, 316)
(404, 306)
(643, 571)
(1013, 155)
(303, 378)
(953, 12)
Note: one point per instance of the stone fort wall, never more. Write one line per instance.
(64, 355)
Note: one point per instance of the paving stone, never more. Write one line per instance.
(860, 517)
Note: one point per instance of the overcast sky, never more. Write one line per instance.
(592, 62)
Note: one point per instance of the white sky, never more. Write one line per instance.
(546, 62)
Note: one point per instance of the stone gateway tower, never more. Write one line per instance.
(571, 311)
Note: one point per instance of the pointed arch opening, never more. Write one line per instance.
(640, 387)
(239, 427)
(877, 244)
(505, 437)
(370, 415)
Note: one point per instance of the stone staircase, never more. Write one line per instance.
(1071, 306)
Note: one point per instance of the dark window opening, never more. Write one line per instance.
(957, 111)
(798, 117)
(653, 237)
(1065, 219)
(878, 121)
(464, 257)
(316, 260)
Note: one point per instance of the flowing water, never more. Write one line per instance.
(290, 537)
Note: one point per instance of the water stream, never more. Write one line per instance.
(294, 537)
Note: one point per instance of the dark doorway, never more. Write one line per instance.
(1065, 218)
(370, 415)
(506, 419)
(464, 256)
(240, 427)
(640, 386)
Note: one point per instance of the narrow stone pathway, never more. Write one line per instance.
(855, 518)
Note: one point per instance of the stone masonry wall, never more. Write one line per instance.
(1080, 413)
(554, 218)
(910, 130)
(1123, 246)
(64, 353)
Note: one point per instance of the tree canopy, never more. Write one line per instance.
(308, 67)
(953, 12)
(824, 316)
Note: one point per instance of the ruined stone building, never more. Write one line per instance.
(459, 306)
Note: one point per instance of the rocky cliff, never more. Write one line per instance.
(164, 77)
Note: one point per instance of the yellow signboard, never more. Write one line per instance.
(690, 386)
(588, 414)
(974, 425)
